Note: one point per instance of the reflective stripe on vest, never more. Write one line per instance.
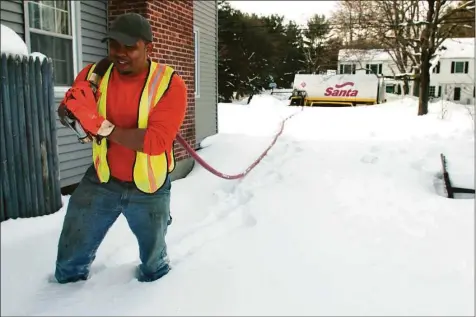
(150, 171)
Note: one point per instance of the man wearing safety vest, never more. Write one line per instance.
(136, 114)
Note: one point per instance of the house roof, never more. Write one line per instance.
(455, 48)
(351, 55)
(458, 48)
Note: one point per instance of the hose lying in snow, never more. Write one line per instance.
(197, 158)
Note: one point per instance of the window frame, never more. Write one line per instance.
(352, 68)
(196, 45)
(430, 92)
(465, 68)
(75, 27)
(378, 66)
(462, 67)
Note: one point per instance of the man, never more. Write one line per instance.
(139, 109)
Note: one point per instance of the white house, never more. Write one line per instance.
(452, 78)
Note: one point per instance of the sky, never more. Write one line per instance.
(299, 11)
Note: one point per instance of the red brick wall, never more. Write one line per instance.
(172, 25)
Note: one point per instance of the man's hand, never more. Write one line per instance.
(80, 84)
(82, 105)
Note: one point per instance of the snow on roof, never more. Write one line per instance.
(352, 55)
(458, 48)
(455, 48)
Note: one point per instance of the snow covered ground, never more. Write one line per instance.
(345, 216)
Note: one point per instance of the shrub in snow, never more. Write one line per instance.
(12, 43)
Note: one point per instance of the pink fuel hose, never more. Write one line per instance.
(207, 166)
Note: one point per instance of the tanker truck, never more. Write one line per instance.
(337, 90)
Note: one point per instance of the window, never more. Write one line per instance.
(346, 69)
(459, 67)
(436, 69)
(50, 27)
(432, 91)
(457, 94)
(197, 62)
(373, 69)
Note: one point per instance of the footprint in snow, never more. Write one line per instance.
(369, 159)
(375, 149)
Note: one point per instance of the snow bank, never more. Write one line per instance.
(262, 117)
(12, 43)
(343, 217)
(451, 133)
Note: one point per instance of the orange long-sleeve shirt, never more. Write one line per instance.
(123, 95)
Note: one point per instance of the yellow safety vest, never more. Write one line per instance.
(150, 171)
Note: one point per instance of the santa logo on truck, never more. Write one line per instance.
(337, 91)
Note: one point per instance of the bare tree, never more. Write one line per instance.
(466, 18)
(411, 31)
(350, 21)
(385, 22)
(396, 29)
(439, 13)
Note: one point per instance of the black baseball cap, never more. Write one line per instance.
(129, 28)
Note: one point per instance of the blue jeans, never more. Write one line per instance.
(94, 207)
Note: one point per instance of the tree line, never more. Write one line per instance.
(255, 51)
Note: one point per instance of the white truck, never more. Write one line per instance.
(337, 90)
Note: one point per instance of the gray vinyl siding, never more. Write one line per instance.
(11, 15)
(75, 157)
(205, 19)
(93, 30)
